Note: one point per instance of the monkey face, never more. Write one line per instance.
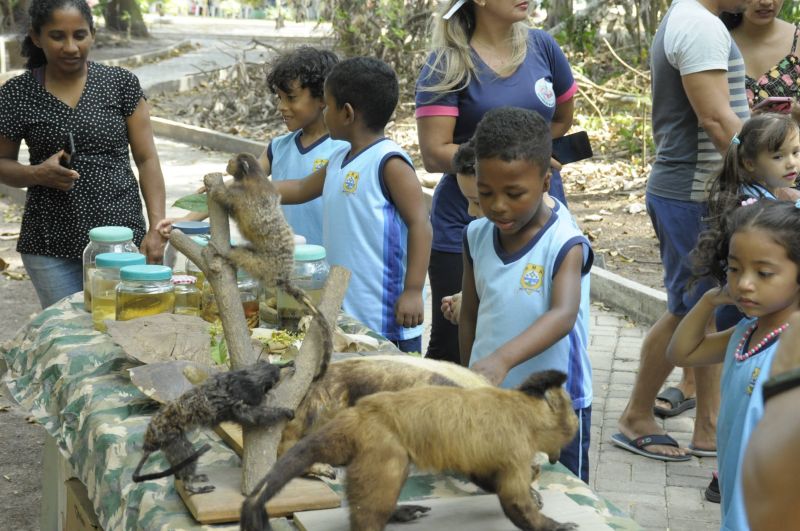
(232, 167)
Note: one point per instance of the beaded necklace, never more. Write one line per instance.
(741, 356)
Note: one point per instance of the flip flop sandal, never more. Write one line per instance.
(637, 446)
(678, 402)
(712, 491)
(699, 452)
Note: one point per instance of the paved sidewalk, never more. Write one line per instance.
(656, 494)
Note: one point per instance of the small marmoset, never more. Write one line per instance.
(488, 434)
(230, 396)
(255, 204)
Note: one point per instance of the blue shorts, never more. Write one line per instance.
(677, 225)
(575, 455)
(53, 278)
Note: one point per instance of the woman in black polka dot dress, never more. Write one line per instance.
(104, 109)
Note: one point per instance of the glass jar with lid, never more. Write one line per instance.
(104, 284)
(192, 269)
(310, 273)
(144, 290)
(248, 292)
(268, 298)
(109, 239)
(174, 258)
(187, 296)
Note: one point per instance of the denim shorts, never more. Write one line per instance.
(677, 225)
(53, 278)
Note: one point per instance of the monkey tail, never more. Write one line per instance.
(330, 445)
(327, 330)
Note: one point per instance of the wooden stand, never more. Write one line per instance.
(224, 503)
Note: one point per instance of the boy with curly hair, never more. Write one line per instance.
(297, 77)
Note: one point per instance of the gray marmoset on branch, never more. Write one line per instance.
(255, 204)
(488, 434)
(235, 396)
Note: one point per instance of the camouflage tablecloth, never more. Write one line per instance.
(74, 381)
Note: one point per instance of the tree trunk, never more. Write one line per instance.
(125, 15)
(559, 11)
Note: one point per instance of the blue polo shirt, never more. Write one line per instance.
(540, 83)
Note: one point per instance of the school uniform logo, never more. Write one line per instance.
(753, 380)
(318, 164)
(544, 91)
(531, 279)
(350, 184)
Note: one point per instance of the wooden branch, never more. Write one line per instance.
(623, 63)
(259, 458)
(595, 107)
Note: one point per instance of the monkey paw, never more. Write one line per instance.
(191, 486)
(322, 470)
(406, 513)
(566, 526)
(537, 498)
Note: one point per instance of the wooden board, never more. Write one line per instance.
(232, 434)
(223, 504)
(468, 513)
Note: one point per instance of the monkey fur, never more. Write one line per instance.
(488, 434)
(230, 396)
(350, 379)
(252, 200)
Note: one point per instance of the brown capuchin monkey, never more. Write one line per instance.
(252, 200)
(349, 380)
(488, 434)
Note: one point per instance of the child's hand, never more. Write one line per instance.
(492, 368)
(451, 307)
(164, 227)
(719, 296)
(409, 310)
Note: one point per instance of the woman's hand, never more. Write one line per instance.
(153, 246)
(52, 174)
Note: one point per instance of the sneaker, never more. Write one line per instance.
(712, 491)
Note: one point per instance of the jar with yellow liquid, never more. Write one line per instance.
(310, 273)
(144, 290)
(110, 239)
(104, 284)
(187, 296)
(174, 258)
(248, 292)
(268, 298)
(192, 269)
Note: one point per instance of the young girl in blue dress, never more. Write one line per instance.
(758, 254)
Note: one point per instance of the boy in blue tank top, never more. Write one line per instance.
(374, 219)
(525, 298)
(297, 78)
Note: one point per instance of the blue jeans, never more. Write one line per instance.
(53, 278)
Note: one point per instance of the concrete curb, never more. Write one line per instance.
(641, 303)
(135, 60)
(201, 136)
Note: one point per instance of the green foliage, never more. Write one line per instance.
(219, 349)
(392, 30)
(193, 203)
(790, 11)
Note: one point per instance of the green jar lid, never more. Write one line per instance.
(117, 260)
(145, 272)
(110, 234)
(309, 253)
(192, 227)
